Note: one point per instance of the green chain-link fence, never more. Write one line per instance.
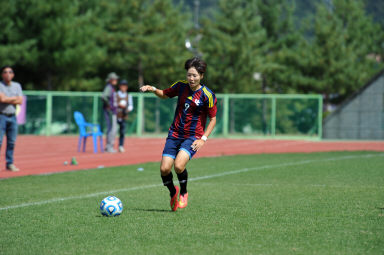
(238, 115)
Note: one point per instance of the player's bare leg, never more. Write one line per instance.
(181, 162)
(167, 177)
(166, 165)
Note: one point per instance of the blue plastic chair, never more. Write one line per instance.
(86, 130)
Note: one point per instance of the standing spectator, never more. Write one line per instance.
(110, 111)
(11, 95)
(124, 105)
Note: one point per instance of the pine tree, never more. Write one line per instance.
(52, 43)
(336, 60)
(282, 40)
(14, 47)
(232, 46)
(145, 40)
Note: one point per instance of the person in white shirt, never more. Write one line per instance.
(124, 104)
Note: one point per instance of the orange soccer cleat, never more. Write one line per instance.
(183, 201)
(174, 202)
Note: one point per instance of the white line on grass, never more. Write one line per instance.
(54, 200)
(281, 165)
(238, 171)
(294, 185)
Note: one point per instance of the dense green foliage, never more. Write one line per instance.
(145, 40)
(317, 203)
(255, 46)
(340, 57)
(333, 53)
(234, 50)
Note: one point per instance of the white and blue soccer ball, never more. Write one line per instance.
(111, 206)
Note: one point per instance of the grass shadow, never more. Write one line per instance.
(150, 210)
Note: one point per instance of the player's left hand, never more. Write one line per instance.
(197, 144)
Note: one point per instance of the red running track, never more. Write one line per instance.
(41, 155)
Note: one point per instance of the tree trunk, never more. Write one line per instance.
(141, 73)
(49, 81)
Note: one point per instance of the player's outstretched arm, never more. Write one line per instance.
(154, 90)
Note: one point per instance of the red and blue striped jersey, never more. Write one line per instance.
(193, 108)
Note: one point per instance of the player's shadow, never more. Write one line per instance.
(140, 210)
(150, 210)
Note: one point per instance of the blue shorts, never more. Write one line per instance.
(174, 145)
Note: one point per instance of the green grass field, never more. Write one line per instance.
(320, 203)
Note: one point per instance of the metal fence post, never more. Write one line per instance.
(273, 117)
(320, 118)
(48, 114)
(95, 109)
(225, 115)
(140, 115)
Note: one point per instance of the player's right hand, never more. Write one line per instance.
(146, 88)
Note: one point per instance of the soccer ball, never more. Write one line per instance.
(111, 206)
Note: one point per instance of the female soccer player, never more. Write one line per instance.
(187, 133)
